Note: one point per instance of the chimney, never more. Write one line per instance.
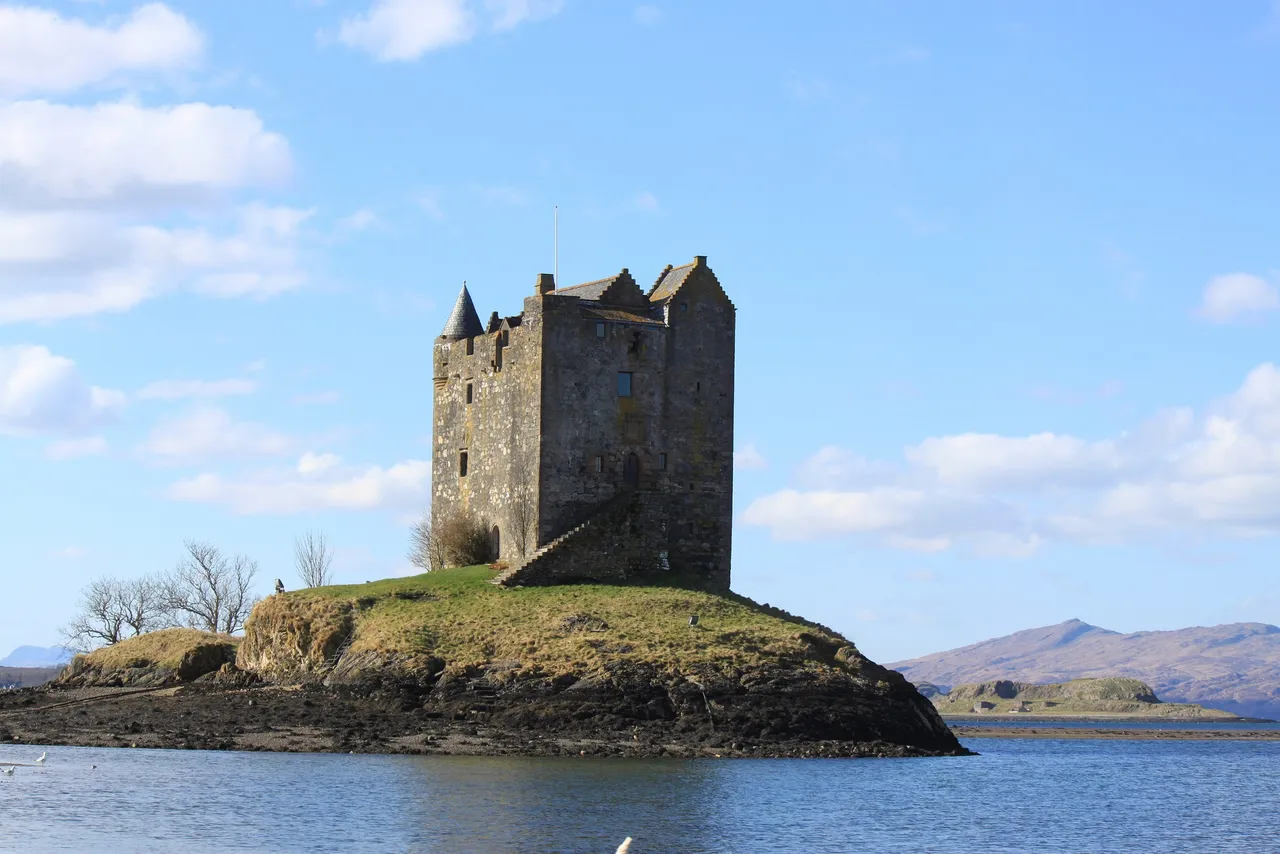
(546, 284)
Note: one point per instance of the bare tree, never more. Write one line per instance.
(209, 591)
(426, 551)
(112, 609)
(312, 556)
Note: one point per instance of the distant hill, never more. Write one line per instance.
(1235, 667)
(37, 656)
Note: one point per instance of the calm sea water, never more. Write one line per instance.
(1019, 796)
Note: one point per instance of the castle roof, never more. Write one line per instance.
(622, 315)
(615, 290)
(463, 322)
(670, 281)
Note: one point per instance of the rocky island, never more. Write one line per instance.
(447, 662)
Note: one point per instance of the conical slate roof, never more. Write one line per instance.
(463, 322)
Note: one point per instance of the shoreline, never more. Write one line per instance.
(1103, 733)
(1104, 718)
(310, 719)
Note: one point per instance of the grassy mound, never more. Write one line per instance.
(457, 616)
(155, 658)
(1114, 696)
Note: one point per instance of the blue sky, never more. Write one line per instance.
(1006, 281)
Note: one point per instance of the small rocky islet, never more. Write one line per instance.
(448, 663)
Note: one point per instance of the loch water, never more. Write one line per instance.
(1018, 796)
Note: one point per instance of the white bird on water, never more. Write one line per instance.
(43, 756)
(8, 772)
(625, 846)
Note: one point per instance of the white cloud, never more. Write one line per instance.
(71, 553)
(41, 51)
(180, 389)
(508, 14)
(70, 449)
(41, 393)
(1237, 296)
(749, 459)
(429, 201)
(647, 202)
(1216, 474)
(318, 482)
(399, 30)
(58, 264)
(648, 16)
(124, 152)
(360, 220)
(405, 30)
(210, 432)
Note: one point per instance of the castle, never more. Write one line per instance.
(594, 430)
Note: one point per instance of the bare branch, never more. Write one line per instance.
(312, 557)
(112, 610)
(209, 592)
(426, 550)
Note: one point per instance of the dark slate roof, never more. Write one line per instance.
(589, 290)
(669, 282)
(463, 322)
(620, 315)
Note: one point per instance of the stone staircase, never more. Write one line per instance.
(505, 578)
(598, 537)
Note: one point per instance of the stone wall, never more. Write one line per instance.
(698, 391)
(583, 417)
(498, 431)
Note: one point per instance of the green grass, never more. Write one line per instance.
(460, 617)
(163, 648)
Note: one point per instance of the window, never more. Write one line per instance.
(462, 464)
(469, 395)
(624, 384)
(662, 462)
(684, 306)
(697, 386)
(600, 329)
(599, 464)
(471, 346)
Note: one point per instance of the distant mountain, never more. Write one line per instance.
(1235, 667)
(37, 656)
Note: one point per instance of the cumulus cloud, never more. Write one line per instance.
(61, 264)
(179, 389)
(43, 393)
(208, 432)
(41, 51)
(317, 482)
(404, 30)
(1179, 473)
(126, 153)
(70, 449)
(1237, 296)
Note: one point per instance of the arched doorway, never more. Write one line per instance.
(631, 471)
(495, 543)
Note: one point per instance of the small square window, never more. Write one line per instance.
(662, 462)
(462, 464)
(599, 464)
(469, 392)
(600, 329)
(624, 384)
(684, 306)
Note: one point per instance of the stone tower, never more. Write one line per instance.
(593, 432)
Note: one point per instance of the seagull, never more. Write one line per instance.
(8, 772)
(625, 846)
(43, 756)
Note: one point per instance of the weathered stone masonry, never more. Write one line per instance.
(597, 427)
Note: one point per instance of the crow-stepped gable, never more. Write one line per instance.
(592, 433)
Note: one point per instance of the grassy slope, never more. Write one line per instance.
(163, 648)
(463, 619)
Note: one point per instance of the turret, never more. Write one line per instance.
(463, 322)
